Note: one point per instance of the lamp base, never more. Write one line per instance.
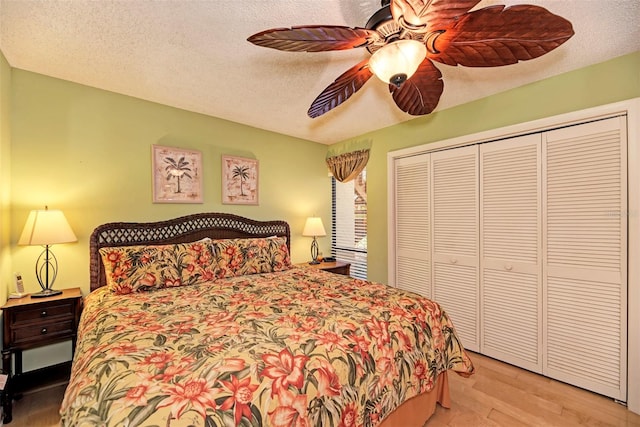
(314, 252)
(46, 293)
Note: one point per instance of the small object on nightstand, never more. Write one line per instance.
(19, 293)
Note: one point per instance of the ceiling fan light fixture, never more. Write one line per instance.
(398, 61)
(406, 38)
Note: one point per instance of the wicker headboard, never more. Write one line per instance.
(179, 230)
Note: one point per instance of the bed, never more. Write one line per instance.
(203, 321)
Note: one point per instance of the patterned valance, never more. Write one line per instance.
(346, 167)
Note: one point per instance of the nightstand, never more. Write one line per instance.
(338, 267)
(35, 322)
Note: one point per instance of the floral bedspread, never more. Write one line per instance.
(301, 347)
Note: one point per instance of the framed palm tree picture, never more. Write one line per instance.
(177, 175)
(239, 181)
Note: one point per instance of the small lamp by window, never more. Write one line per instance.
(46, 227)
(314, 228)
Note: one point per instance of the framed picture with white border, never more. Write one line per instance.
(176, 174)
(239, 181)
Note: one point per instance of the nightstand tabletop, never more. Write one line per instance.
(326, 265)
(26, 300)
(338, 267)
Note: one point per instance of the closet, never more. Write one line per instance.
(523, 241)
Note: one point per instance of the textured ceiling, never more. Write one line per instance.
(194, 55)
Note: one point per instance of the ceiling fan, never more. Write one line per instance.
(405, 37)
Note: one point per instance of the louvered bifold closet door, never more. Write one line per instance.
(511, 251)
(412, 229)
(454, 201)
(586, 256)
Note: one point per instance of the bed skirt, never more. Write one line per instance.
(416, 411)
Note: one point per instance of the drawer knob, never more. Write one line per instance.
(508, 267)
(43, 331)
(44, 313)
(454, 260)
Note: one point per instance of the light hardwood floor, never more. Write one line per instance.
(497, 395)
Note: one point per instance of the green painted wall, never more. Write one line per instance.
(5, 178)
(600, 84)
(88, 152)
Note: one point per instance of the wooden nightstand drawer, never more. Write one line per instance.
(340, 268)
(42, 313)
(35, 333)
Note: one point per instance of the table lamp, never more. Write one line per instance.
(46, 227)
(314, 228)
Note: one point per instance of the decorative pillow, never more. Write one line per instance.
(143, 268)
(238, 257)
(196, 262)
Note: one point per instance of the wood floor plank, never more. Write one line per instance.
(517, 390)
(505, 420)
(490, 400)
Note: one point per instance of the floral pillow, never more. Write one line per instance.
(143, 268)
(239, 257)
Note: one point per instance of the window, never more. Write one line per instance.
(349, 220)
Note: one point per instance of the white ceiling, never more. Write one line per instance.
(193, 54)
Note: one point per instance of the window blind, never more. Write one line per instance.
(349, 221)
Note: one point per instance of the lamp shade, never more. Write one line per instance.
(313, 227)
(46, 227)
(398, 61)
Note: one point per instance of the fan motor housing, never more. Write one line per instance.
(382, 21)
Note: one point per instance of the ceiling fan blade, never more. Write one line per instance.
(421, 93)
(314, 38)
(431, 15)
(496, 36)
(341, 89)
